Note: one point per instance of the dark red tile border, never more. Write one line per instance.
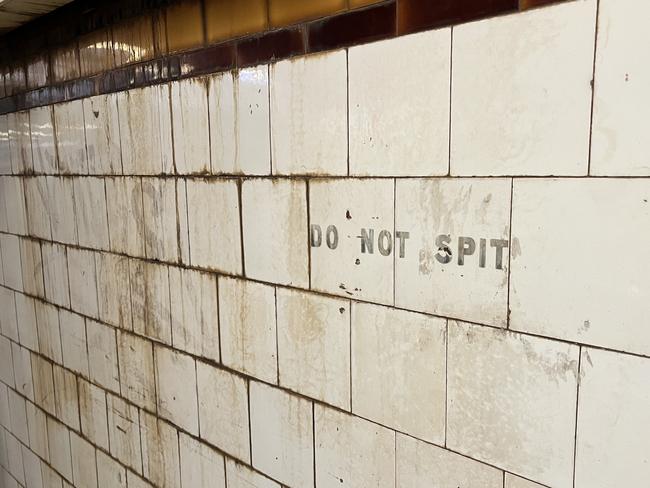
(419, 15)
(270, 46)
(379, 21)
(356, 27)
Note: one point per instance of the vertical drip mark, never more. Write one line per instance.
(308, 234)
(446, 378)
(347, 102)
(240, 185)
(394, 231)
(277, 347)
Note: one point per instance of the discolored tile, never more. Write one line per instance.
(65, 63)
(285, 12)
(226, 19)
(215, 58)
(133, 40)
(184, 25)
(37, 71)
(96, 52)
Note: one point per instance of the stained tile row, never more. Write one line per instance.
(528, 388)
(191, 24)
(347, 113)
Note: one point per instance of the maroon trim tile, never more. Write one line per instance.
(526, 4)
(356, 27)
(418, 15)
(216, 58)
(270, 46)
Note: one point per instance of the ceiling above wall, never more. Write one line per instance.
(14, 13)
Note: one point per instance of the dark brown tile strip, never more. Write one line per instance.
(380, 21)
(215, 58)
(352, 28)
(419, 15)
(270, 46)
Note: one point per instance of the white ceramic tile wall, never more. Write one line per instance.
(256, 278)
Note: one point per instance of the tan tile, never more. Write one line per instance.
(226, 19)
(184, 25)
(283, 12)
(133, 40)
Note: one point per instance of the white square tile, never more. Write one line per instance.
(5, 419)
(134, 481)
(20, 143)
(37, 425)
(84, 463)
(160, 452)
(125, 215)
(27, 327)
(160, 224)
(83, 282)
(102, 355)
(282, 435)
(14, 199)
(145, 130)
(91, 213)
(71, 137)
(456, 256)
(32, 265)
(352, 238)
(352, 452)
(15, 459)
(240, 476)
(511, 401)
(613, 421)
(5, 150)
(137, 373)
(113, 289)
(7, 369)
(621, 103)
(18, 416)
(213, 225)
(190, 126)
(43, 384)
(51, 478)
(93, 412)
(73, 342)
(10, 252)
(272, 255)
(182, 222)
(48, 330)
(512, 481)
(22, 362)
(400, 381)
(176, 388)
(201, 466)
(38, 204)
(109, 473)
(33, 473)
(102, 134)
(239, 122)
(61, 209)
(66, 395)
(399, 105)
(60, 455)
(314, 346)
(247, 328)
(586, 298)
(223, 410)
(43, 146)
(150, 300)
(124, 432)
(8, 321)
(422, 465)
(309, 114)
(528, 113)
(55, 273)
(194, 314)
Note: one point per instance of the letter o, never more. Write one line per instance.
(332, 237)
(385, 242)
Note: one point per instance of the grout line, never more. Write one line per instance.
(593, 89)
(451, 76)
(347, 101)
(575, 435)
(446, 379)
(510, 240)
